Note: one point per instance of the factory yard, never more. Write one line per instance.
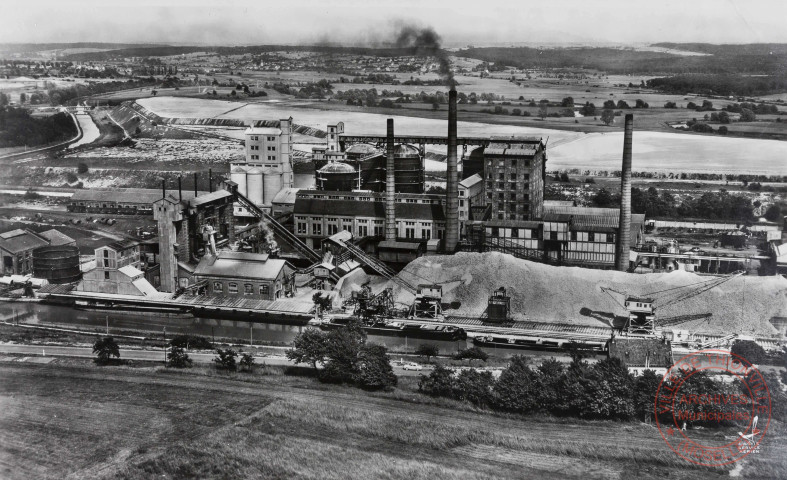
(573, 295)
(144, 422)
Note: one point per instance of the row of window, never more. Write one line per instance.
(248, 288)
(370, 199)
(256, 138)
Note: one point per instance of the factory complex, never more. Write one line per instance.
(256, 248)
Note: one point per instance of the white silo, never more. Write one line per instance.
(238, 175)
(272, 185)
(254, 185)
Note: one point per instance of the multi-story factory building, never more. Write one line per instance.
(514, 175)
(267, 168)
(320, 214)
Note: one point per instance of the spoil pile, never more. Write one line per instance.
(571, 295)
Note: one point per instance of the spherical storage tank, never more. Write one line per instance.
(337, 177)
(238, 175)
(271, 182)
(254, 185)
(57, 263)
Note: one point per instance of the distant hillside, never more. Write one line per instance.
(8, 48)
(167, 50)
(746, 59)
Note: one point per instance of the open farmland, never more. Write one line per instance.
(653, 151)
(143, 423)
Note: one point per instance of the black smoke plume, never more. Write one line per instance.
(425, 42)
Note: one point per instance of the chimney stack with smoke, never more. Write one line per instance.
(452, 180)
(390, 185)
(624, 226)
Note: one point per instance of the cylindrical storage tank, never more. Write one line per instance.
(271, 185)
(409, 173)
(254, 185)
(373, 173)
(57, 263)
(360, 150)
(238, 175)
(337, 177)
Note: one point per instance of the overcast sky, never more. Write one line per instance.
(459, 22)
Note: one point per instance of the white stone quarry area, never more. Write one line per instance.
(208, 150)
(546, 293)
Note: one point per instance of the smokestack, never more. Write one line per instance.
(624, 226)
(180, 188)
(195, 184)
(163, 188)
(210, 180)
(390, 185)
(452, 181)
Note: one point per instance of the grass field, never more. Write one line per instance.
(73, 420)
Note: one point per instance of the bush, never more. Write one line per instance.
(471, 353)
(474, 387)
(375, 372)
(439, 383)
(105, 348)
(225, 359)
(749, 350)
(246, 362)
(178, 358)
(71, 177)
(191, 342)
(517, 388)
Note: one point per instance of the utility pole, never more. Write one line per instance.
(107, 319)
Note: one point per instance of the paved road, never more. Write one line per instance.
(50, 351)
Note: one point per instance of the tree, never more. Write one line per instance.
(309, 346)
(22, 98)
(517, 388)
(154, 92)
(610, 104)
(321, 302)
(670, 105)
(543, 111)
(233, 94)
(427, 350)
(470, 354)
(602, 198)
(439, 383)
(474, 387)
(567, 102)
(588, 110)
(607, 116)
(622, 104)
(435, 106)
(747, 115)
(82, 168)
(564, 177)
(343, 353)
(641, 104)
(225, 359)
(645, 388)
(105, 348)
(246, 362)
(691, 106)
(774, 213)
(724, 117)
(178, 358)
(374, 366)
(749, 350)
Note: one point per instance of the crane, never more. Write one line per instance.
(642, 309)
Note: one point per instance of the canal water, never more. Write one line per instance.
(154, 325)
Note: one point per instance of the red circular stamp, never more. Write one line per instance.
(713, 408)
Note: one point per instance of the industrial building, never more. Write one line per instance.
(17, 248)
(119, 201)
(514, 174)
(267, 168)
(117, 271)
(251, 275)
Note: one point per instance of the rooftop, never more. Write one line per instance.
(240, 265)
(123, 244)
(209, 197)
(127, 195)
(56, 237)
(262, 131)
(471, 180)
(17, 241)
(286, 195)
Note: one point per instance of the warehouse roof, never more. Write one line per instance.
(123, 244)
(209, 197)
(471, 180)
(17, 241)
(126, 195)
(286, 196)
(56, 237)
(240, 265)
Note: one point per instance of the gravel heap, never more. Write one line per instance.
(547, 293)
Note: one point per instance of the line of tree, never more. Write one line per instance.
(720, 84)
(62, 96)
(602, 390)
(345, 357)
(17, 127)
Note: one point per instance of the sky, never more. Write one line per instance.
(372, 22)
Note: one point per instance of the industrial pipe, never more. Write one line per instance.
(624, 225)
(390, 185)
(452, 180)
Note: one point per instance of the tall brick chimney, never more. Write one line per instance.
(390, 185)
(452, 180)
(624, 227)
